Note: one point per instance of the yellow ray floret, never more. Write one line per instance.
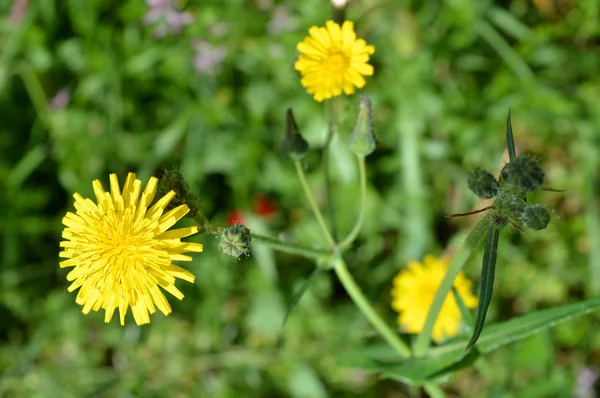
(121, 250)
(413, 292)
(333, 60)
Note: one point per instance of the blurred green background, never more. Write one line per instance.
(92, 87)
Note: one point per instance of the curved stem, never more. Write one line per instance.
(363, 200)
(368, 311)
(313, 204)
(423, 340)
(290, 247)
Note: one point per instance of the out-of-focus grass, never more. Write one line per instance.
(445, 78)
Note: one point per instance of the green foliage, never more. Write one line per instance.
(445, 74)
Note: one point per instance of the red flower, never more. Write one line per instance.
(264, 206)
(235, 217)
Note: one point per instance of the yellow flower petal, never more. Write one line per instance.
(121, 251)
(414, 289)
(333, 61)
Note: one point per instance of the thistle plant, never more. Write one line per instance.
(122, 248)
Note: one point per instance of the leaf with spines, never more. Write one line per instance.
(379, 359)
(510, 140)
(488, 271)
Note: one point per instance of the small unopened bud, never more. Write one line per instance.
(523, 172)
(172, 180)
(535, 217)
(483, 184)
(235, 240)
(362, 140)
(294, 145)
(339, 10)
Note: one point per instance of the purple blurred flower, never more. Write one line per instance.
(281, 20)
(17, 13)
(586, 378)
(166, 17)
(60, 100)
(207, 56)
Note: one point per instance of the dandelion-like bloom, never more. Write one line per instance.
(332, 59)
(122, 251)
(413, 292)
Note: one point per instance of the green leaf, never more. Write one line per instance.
(464, 362)
(440, 360)
(510, 140)
(464, 311)
(298, 295)
(412, 371)
(488, 271)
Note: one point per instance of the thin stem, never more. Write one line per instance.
(205, 226)
(363, 200)
(290, 247)
(328, 193)
(423, 340)
(368, 311)
(470, 212)
(313, 204)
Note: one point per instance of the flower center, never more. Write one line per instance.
(121, 241)
(336, 62)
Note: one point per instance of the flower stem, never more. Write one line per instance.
(205, 226)
(290, 247)
(326, 169)
(363, 200)
(368, 311)
(313, 204)
(423, 340)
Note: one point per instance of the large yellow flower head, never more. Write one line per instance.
(332, 59)
(122, 251)
(413, 292)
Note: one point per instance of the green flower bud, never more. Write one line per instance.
(524, 173)
(172, 180)
(294, 145)
(362, 140)
(235, 241)
(535, 217)
(483, 184)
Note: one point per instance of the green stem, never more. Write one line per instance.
(423, 340)
(368, 311)
(434, 391)
(363, 200)
(205, 226)
(313, 204)
(290, 247)
(326, 171)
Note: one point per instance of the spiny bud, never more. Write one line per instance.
(524, 173)
(362, 139)
(535, 217)
(172, 180)
(483, 184)
(294, 145)
(235, 240)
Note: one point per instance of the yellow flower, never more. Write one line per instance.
(413, 292)
(332, 59)
(122, 252)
